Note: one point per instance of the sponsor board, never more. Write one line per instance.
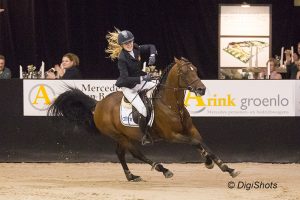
(38, 94)
(226, 98)
(243, 98)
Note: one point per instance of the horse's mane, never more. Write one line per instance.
(165, 74)
(163, 78)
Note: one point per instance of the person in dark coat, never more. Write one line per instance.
(68, 69)
(291, 67)
(132, 79)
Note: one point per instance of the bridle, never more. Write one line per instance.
(181, 76)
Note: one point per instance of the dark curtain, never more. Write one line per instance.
(36, 30)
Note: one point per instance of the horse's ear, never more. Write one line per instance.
(184, 59)
(176, 60)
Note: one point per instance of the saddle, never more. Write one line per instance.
(129, 114)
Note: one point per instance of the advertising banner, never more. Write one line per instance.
(38, 94)
(249, 98)
(244, 98)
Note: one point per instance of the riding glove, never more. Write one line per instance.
(151, 59)
(147, 77)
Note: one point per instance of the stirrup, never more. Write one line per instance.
(147, 140)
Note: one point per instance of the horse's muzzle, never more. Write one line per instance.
(200, 91)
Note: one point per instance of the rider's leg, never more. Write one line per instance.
(150, 86)
(136, 101)
(146, 139)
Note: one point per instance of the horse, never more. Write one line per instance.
(172, 121)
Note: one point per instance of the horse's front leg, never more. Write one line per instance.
(179, 138)
(120, 151)
(157, 166)
(196, 140)
(207, 153)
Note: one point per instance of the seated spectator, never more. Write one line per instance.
(68, 69)
(273, 73)
(5, 72)
(298, 73)
(291, 67)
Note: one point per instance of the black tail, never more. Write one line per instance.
(75, 106)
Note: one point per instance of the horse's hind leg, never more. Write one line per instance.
(157, 166)
(205, 152)
(121, 155)
(209, 164)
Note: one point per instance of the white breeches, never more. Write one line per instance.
(134, 98)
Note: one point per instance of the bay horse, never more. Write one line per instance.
(172, 121)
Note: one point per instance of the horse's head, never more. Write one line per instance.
(188, 77)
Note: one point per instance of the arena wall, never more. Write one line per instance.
(234, 139)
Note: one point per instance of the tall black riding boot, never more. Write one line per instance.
(144, 128)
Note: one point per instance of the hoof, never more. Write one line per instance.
(137, 179)
(134, 178)
(209, 166)
(168, 174)
(234, 173)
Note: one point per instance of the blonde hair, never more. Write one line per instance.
(73, 57)
(113, 48)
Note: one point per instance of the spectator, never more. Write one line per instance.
(273, 73)
(68, 69)
(298, 66)
(291, 67)
(5, 72)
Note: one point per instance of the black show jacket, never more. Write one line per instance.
(131, 68)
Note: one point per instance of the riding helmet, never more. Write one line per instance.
(124, 37)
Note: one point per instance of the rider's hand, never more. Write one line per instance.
(151, 59)
(147, 77)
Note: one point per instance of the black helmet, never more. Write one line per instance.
(125, 36)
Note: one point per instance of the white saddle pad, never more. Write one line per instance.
(126, 115)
